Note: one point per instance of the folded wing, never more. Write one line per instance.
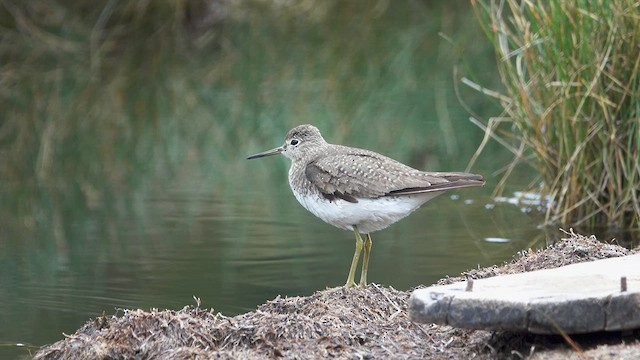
(369, 175)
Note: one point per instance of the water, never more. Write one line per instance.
(235, 255)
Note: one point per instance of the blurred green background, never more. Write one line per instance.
(125, 125)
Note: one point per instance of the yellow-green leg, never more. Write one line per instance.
(365, 261)
(354, 263)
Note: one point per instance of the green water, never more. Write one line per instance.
(122, 154)
(234, 253)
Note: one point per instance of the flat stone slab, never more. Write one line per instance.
(578, 298)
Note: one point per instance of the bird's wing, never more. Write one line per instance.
(365, 174)
(441, 181)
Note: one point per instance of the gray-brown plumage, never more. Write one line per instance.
(357, 189)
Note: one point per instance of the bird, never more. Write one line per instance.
(356, 189)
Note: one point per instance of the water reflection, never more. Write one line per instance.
(235, 255)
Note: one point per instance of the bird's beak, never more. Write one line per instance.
(275, 151)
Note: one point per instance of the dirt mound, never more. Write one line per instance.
(354, 323)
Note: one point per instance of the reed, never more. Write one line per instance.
(571, 74)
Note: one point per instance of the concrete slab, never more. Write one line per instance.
(602, 295)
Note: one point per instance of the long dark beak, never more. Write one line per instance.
(275, 151)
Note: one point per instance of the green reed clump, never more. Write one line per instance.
(571, 72)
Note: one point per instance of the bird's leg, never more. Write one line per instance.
(356, 256)
(365, 261)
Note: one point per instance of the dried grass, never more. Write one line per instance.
(355, 323)
(574, 249)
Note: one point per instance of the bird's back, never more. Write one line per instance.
(352, 173)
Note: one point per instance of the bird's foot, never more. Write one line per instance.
(350, 284)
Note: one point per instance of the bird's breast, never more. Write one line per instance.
(368, 215)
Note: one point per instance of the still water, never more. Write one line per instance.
(236, 253)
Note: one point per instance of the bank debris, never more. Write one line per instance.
(340, 323)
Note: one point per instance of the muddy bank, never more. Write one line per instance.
(355, 323)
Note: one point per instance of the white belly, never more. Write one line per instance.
(368, 215)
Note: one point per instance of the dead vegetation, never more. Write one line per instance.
(574, 249)
(340, 323)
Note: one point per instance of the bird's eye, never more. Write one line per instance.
(294, 142)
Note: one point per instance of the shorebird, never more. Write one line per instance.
(356, 189)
